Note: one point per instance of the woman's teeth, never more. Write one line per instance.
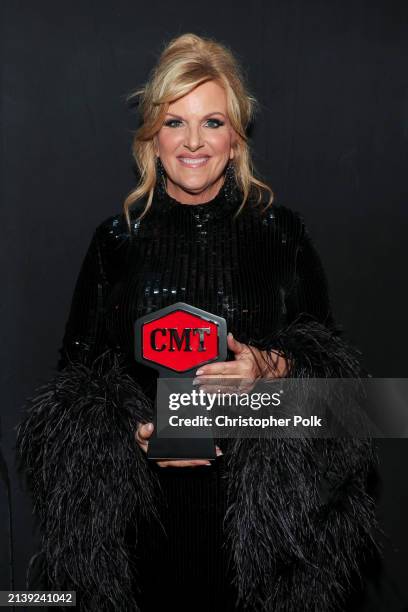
(188, 161)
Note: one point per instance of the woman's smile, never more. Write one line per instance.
(193, 162)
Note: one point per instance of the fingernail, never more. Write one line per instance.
(196, 381)
(207, 463)
(230, 334)
(199, 372)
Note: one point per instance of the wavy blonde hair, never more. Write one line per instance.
(186, 62)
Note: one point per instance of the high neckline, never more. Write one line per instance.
(216, 207)
(217, 198)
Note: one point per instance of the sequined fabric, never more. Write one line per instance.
(258, 271)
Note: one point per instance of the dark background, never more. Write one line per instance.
(330, 138)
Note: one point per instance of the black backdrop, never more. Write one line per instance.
(330, 138)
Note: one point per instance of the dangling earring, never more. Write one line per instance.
(230, 182)
(160, 179)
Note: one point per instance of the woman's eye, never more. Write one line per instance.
(214, 123)
(169, 122)
(217, 122)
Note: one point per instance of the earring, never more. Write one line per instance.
(230, 182)
(160, 179)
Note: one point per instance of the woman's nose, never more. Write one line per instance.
(193, 138)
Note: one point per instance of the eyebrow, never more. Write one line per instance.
(205, 116)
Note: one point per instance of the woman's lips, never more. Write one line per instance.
(191, 162)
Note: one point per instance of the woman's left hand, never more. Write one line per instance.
(249, 365)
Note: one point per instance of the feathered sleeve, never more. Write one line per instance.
(303, 521)
(76, 447)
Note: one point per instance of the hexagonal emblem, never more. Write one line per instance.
(180, 338)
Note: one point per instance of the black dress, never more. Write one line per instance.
(260, 271)
(196, 254)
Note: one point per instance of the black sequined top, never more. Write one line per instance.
(258, 271)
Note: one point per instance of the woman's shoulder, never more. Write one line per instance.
(113, 228)
(285, 218)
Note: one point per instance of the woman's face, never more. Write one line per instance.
(195, 143)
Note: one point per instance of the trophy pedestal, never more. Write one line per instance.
(161, 448)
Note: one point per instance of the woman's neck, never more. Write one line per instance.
(189, 198)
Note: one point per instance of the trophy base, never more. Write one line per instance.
(181, 448)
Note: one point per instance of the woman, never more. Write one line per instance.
(271, 524)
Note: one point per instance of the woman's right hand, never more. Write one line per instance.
(143, 433)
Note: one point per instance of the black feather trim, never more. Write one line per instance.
(88, 477)
(313, 350)
(300, 521)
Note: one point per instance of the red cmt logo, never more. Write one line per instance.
(180, 341)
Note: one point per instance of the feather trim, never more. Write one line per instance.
(300, 521)
(299, 518)
(87, 477)
(313, 350)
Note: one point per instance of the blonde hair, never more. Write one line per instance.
(186, 62)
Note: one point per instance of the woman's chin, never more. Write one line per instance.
(193, 187)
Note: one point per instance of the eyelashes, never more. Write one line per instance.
(170, 122)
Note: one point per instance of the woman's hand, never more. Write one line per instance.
(143, 433)
(250, 364)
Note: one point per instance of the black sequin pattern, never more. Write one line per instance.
(257, 270)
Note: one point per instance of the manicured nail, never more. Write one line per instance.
(199, 372)
(196, 381)
(230, 334)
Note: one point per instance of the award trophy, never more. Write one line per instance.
(176, 341)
